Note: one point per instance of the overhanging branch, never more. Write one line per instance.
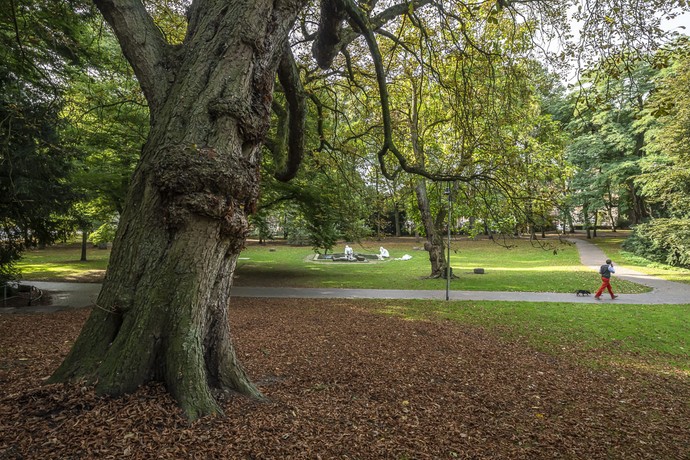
(332, 37)
(289, 78)
(359, 18)
(327, 44)
(142, 43)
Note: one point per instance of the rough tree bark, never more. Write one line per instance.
(163, 311)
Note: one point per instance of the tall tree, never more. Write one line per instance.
(665, 177)
(163, 308)
(609, 140)
(39, 52)
(665, 181)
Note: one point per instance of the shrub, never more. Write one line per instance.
(103, 234)
(662, 240)
(11, 249)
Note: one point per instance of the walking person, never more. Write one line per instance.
(605, 272)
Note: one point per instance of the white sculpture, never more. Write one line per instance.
(383, 252)
(349, 253)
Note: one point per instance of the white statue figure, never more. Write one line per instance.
(349, 253)
(383, 253)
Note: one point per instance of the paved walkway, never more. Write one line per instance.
(80, 295)
(63, 296)
(664, 292)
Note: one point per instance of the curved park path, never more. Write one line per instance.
(664, 292)
(79, 295)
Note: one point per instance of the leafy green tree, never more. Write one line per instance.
(665, 176)
(329, 206)
(41, 48)
(106, 121)
(34, 165)
(73, 86)
(327, 197)
(474, 117)
(665, 181)
(608, 145)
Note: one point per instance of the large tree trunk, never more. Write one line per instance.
(162, 314)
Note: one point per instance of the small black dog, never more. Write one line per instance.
(582, 292)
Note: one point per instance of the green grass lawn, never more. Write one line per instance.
(611, 243)
(653, 337)
(523, 267)
(61, 263)
(650, 337)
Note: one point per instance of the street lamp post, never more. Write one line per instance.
(448, 269)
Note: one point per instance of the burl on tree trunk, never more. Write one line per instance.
(162, 314)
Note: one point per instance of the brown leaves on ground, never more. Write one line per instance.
(344, 382)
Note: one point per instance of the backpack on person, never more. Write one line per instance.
(603, 269)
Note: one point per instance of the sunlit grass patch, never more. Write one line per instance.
(524, 267)
(62, 263)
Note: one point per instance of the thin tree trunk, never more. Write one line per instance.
(432, 227)
(585, 214)
(84, 239)
(613, 222)
(434, 237)
(396, 217)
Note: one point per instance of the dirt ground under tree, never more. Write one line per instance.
(344, 382)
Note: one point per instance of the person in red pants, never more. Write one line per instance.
(605, 272)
